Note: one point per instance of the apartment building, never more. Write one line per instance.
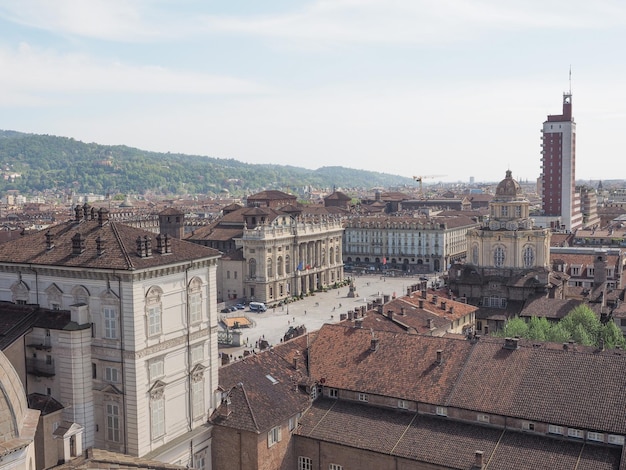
(411, 244)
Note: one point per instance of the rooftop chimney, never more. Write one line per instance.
(78, 213)
(374, 344)
(358, 323)
(439, 356)
(478, 460)
(420, 302)
(99, 246)
(451, 308)
(443, 305)
(103, 216)
(78, 244)
(435, 297)
(429, 323)
(295, 362)
(79, 313)
(225, 409)
(390, 314)
(402, 312)
(49, 241)
(511, 343)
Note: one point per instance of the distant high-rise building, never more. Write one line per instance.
(559, 201)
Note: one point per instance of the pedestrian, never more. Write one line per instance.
(305, 312)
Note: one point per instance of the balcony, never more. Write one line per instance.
(40, 367)
(43, 345)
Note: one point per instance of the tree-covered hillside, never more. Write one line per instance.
(48, 162)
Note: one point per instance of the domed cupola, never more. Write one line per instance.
(508, 188)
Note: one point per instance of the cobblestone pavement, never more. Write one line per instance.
(314, 311)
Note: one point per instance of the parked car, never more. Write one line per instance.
(233, 308)
(225, 310)
(240, 306)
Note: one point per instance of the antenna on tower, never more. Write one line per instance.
(570, 79)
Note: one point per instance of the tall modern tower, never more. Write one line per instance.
(559, 201)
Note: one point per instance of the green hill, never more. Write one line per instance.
(50, 162)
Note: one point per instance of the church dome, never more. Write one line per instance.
(508, 187)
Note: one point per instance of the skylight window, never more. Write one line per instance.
(271, 379)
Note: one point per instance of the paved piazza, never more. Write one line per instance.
(314, 311)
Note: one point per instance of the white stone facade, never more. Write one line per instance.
(137, 365)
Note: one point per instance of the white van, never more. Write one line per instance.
(257, 307)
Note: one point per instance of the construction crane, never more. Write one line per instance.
(419, 179)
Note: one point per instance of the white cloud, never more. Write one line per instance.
(30, 70)
(419, 21)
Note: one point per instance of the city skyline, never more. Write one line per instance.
(413, 88)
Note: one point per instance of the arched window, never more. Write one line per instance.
(331, 258)
(529, 257)
(287, 264)
(475, 254)
(270, 268)
(194, 294)
(154, 311)
(279, 266)
(498, 257)
(252, 268)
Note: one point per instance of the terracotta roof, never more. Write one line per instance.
(545, 385)
(341, 355)
(263, 388)
(119, 242)
(446, 443)
(549, 308)
(271, 194)
(338, 196)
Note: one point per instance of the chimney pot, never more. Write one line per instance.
(374, 344)
(439, 356)
(420, 302)
(478, 459)
(429, 323)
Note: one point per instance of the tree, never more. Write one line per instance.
(515, 327)
(581, 325)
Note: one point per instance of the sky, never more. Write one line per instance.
(445, 89)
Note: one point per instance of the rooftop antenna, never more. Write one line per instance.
(570, 79)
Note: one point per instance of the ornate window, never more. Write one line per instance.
(20, 292)
(529, 257)
(279, 266)
(157, 417)
(287, 264)
(498, 257)
(270, 268)
(153, 311)
(197, 398)
(475, 254)
(109, 314)
(194, 292)
(55, 296)
(113, 422)
(81, 295)
(252, 268)
(156, 368)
